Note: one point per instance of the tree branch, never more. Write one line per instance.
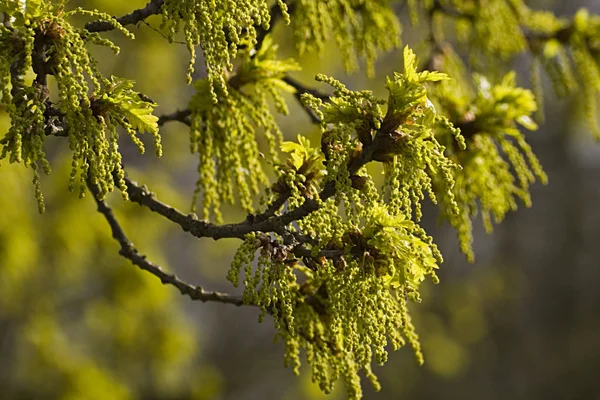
(152, 8)
(182, 116)
(198, 228)
(204, 229)
(129, 251)
(300, 90)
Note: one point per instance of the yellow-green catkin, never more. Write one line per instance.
(344, 315)
(538, 91)
(359, 28)
(587, 66)
(88, 114)
(566, 48)
(225, 134)
(498, 165)
(220, 28)
(491, 27)
(345, 311)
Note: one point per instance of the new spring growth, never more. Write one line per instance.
(43, 41)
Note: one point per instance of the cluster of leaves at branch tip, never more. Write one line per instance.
(343, 311)
(578, 38)
(225, 134)
(489, 115)
(302, 174)
(567, 49)
(220, 28)
(91, 115)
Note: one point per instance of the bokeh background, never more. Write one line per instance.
(79, 322)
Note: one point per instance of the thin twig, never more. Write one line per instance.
(129, 251)
(204, 229)
(199, 228)
(152, 8)
(277, 224)
(182, 116)
(300, 90)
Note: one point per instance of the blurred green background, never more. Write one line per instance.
(79, 322)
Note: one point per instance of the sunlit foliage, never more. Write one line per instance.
(345, 311)
(225, 134)
(331, 253)
(91, 114)
(567, 49)
(498, 166)
(359, 28)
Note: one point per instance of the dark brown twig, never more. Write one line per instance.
(204, 229)
(152, 8)
(300, 90)
(129, 251)
(182, 116)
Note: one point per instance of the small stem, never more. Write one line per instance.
(129, 251)
(152, 8)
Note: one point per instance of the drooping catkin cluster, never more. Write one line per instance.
(347, 313)
(345, 301)
(271, 284)
(225, 134)
(89, 116)
(492, 27)
(360, 28)
(585, 49)
(498, 165)
(220, 28)
(497, 28)
(24, 141)
(567, 49)
(569, 52)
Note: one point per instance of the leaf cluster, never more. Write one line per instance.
(43, 40)
(498, 165)
(336, 255)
